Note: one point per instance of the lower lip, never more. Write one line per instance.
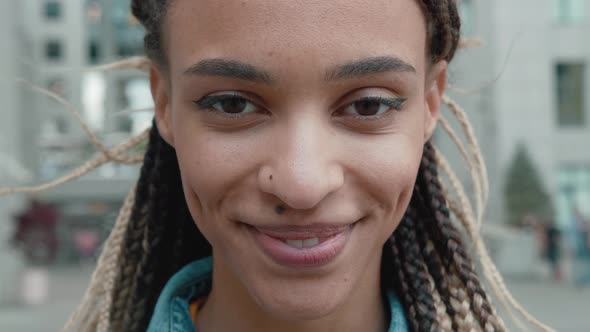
(316, 256)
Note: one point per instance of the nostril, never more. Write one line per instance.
(298, 187)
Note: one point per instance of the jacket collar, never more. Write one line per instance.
(171, 313)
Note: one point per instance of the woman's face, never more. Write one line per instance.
(320, 107)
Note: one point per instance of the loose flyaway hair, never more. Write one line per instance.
(426, 260)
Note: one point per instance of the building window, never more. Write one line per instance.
(53, 10)
(61, 124)
(570, 88)
(570, 11)
(573, 195)
(53, 50)
(467, 13)
(94, 52)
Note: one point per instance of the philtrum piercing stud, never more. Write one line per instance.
(280, 209)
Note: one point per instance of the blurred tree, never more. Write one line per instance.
(524, 192)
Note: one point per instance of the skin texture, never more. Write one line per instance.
(300, 147)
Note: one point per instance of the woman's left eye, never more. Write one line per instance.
(368, 107)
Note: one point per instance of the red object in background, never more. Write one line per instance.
(36, 232)
(86, 242)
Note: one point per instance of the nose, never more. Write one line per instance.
(302, 167)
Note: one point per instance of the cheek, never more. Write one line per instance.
(388, 168)
(207, 169)
(212, 166)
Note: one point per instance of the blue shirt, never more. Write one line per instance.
(194, 280)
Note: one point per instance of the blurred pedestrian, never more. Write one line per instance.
(553, 249)
(86, 242)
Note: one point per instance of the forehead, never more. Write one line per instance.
(294, 33)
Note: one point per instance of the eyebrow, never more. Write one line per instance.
(230, 69)
(369, 66)
(357, 69)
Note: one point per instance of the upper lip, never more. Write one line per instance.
(300, 232)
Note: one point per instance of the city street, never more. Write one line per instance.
(562, 306)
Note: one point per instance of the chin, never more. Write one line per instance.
(292, 310)
(305, 301)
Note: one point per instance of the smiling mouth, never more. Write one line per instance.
(302, 247)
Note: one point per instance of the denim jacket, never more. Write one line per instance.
(194, 280)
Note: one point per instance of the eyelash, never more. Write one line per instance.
(394, 104)
(206, 104)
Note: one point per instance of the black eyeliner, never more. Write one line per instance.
(395, 103)
(209, 101)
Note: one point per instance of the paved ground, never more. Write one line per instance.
(67, 286)
(563, 307)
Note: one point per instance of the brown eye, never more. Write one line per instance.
(372, 107)
(367, 107)
(233, 105)
(227, 104)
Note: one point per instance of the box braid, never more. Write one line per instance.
(151, 14)
(437, 271)
(425, 254)
(161, 238)
(448, 242)
(444, 28)
(411, 277)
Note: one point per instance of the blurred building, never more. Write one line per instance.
(13, 140)
(68, 38)
(528, 84)
(54, 29)
(52, 44)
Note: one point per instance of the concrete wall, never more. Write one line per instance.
(512, 98)
(471, 83)
(69, 31)
(11, 151)
(526, 93)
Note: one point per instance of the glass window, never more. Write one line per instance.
(94, 52)
(128, 32)
(53, 9)
(61, 124)
(574, 193)
(570, 11)
(53, 50)
(570, 87)
(466, 11)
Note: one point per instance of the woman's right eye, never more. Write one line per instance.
(227, 104)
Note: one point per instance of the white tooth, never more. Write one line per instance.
(308, 243)
(295, 243)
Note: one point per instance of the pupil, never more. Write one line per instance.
(367, 107)
(234, 105)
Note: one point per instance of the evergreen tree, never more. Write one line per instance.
(524, 191)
